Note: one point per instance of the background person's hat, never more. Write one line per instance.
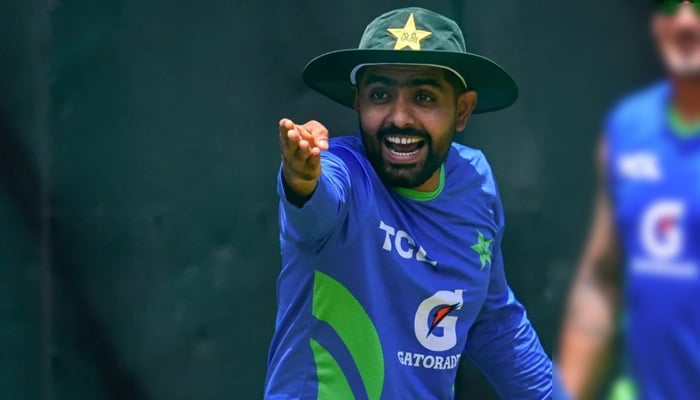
(412, 36)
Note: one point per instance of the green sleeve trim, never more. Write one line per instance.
(334, 304)
(332, 382)
(681, 128)
(424, 196)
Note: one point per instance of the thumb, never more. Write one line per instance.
(319, 133)
(322, 142)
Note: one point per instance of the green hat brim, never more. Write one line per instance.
(329, 73)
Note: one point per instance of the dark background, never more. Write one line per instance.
(138, 150)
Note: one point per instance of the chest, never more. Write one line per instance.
(414, 258)
(655, 187)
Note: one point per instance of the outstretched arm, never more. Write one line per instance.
(313, 184)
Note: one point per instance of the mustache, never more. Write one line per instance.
(687, 34)
(396, 131)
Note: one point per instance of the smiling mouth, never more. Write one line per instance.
(403, 147)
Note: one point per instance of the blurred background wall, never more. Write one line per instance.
(138, 151)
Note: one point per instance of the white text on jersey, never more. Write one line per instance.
(404, 244)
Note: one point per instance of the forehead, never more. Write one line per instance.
(402, 72)
(685, 13)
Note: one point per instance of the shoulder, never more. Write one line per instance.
(346, 147)
(347, 142)
(640, 105)
(471, 180)
(637, 118)
(348, 154)
(471, 163)
(346, 150)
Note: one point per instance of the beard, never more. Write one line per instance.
(682, 54)
(684, 68)
(405, 175)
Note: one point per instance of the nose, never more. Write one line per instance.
(686, 14)
(401, 112)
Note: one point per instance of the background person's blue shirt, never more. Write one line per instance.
(654, 182)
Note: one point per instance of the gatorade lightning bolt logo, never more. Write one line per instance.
(665, 225)
(440, 314)
(438, 311)
(661, 229)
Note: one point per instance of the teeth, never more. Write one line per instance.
(403, 139)
(400, 154)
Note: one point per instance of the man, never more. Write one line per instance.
(647, 216)
(391, 238)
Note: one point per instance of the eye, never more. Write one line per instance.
(423, 97)
(378, 95)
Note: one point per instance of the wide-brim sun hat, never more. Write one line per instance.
(412, 36)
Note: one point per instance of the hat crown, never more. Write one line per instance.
(413, 28)
(412, 36)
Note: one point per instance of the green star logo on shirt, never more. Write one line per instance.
(483, 249)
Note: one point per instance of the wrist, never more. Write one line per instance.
(297, 190)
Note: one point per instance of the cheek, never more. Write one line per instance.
(660, 27)
(442, 129)
(664, 38)
(371, 120)
(440, 122)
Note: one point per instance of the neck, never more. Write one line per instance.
(686, 98)
(431, 184)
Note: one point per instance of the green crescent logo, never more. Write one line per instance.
(334, 304)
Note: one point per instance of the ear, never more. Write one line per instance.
(466, 102)
(356, 103)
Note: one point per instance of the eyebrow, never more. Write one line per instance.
(381, 79)
(424, 82)
(415, 82)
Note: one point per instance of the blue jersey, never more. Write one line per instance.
(382, 291)
(654, 182)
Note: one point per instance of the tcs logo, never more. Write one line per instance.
(661, 229)
(435, 327)
(403, 244)
(640, 166)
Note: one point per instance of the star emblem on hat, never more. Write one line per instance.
(409, 36)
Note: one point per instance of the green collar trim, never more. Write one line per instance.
(424, 196)
(685, 130)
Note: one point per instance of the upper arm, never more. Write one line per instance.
(502, 341)
(590, 317)
(600, 260)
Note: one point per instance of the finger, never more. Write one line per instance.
(284, 126)
(320, 142)
(286, 123)
(319, 133)
(293, 135)
(302, 152)
(290, 143)
(299, 148)
(284, 129)
(314, 161)
(304, 133)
